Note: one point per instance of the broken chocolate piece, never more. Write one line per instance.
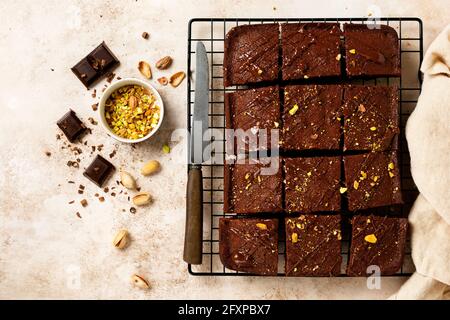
(99, 170)
(71, 126)
(100, 62)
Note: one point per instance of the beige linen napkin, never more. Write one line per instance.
(428, 136)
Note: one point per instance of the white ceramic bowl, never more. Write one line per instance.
(121, 83)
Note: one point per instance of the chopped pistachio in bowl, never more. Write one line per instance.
(131, 110)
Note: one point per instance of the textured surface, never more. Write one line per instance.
(311, 117)
(256, 112)
(249, 245)
(312, 184)
(310, 50)
(373, 180)
(247, 189)
(371, 118)
(377, 241)
(39, 227)
(313, 245)
(251, 54)
(371, 52)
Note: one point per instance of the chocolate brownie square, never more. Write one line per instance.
(312, 184)
(377, 241)
(313, 245)
(253, 114)
(310, 50)
(253, 187)
(371, 116)
(371, 50)
(249, 245)
(251, 54)
(311, 117)
(373, 180)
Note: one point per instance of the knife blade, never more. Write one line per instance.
(194, 191)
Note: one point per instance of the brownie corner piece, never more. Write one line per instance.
(254, 117)
(371, 50)
(372, 180)
(313, 245)
(251, 54)
(253, 187)
(310, 50)
(377, 242)
(371, 118)
(312, 184)
(249, 245)
(311, 117)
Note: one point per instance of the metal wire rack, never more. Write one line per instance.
(212, 32)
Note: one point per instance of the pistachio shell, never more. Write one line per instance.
(150, 167)
(145, 69)
(140, 282)
(127, 180)
(177, 78)
(142, 198)
(121, 239)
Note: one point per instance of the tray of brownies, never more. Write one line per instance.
(326, 189)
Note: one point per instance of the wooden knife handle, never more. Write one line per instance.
(194, 217)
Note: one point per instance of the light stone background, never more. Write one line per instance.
(46, 251)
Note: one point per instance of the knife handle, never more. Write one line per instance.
(194, 217)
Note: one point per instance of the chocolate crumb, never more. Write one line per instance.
(70, 181)
(96, 194)
(92, 121)
(133, 210)
(128, 198)
(93, 148)
(110, 77)
(106, 190)
(81, 187)
(85, 143)
(80, 191)
(52, 69)
(94, 94)
(70, 202)
(78, 215)
(75, 164)
(113, 194)
(58, 137)
(101, 199)
(138, 189)
(112, 154)
(84, 202)
(145, 35)
(48, 153)
(100, 147)
(118, 182)
(119, 78)
(95, 106)
(123, 210)
(78, 160)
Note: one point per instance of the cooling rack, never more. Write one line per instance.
(212, 32)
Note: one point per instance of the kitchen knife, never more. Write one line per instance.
(194, 193)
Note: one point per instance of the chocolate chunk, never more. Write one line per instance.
(371, 52)
(377, 241)
(251, 54)
(249, 245)
(312, 184)
(310, 50)
(253, 187)
(371, 116)
(311, 117)
(373, 180)
(100, 62)
(99, 170)
(313, 245)
(71, 126)
(145, 35)
(253, 114)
